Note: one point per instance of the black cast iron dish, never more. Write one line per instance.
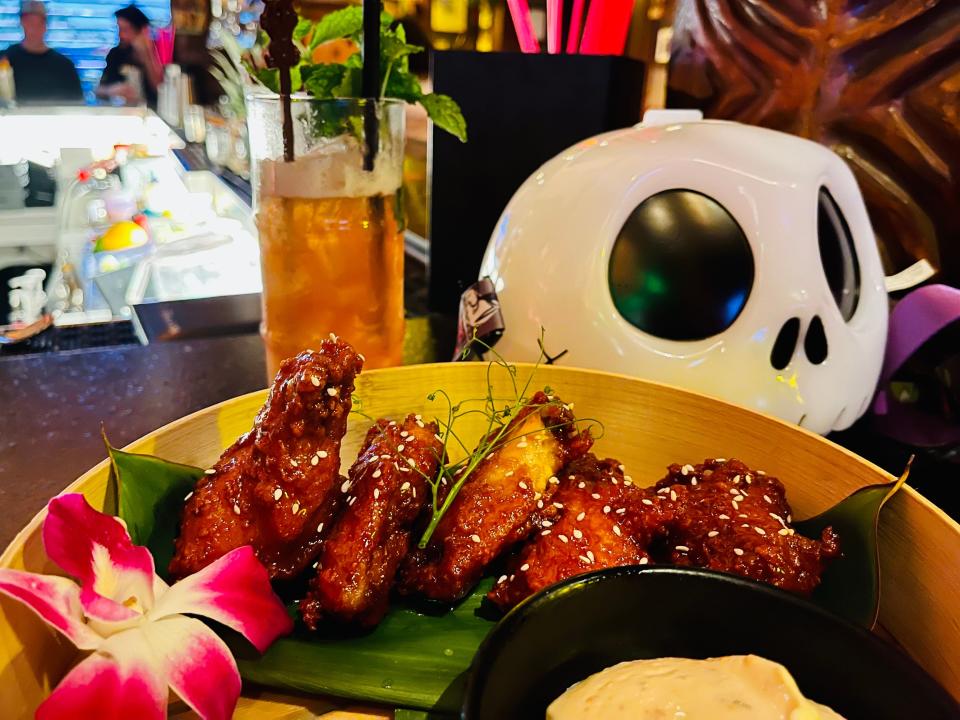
(587, 623)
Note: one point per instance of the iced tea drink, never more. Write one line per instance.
(331, 231)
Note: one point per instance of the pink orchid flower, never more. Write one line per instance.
(133, 621)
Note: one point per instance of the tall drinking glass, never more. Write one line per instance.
(331, 230)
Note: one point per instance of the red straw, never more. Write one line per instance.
(554, 26)
(573, 34)
(608, 22)
(520, 13)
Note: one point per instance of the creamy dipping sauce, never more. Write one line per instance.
(738, 687)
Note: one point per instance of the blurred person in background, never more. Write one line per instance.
(133, 71)
(40, 74)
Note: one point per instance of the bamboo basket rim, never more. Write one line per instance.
(37, 519)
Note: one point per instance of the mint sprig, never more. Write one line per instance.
(327, 80)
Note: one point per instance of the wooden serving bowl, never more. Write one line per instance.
(646, 425)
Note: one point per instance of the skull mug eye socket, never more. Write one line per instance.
(681, 267)
(838, 255)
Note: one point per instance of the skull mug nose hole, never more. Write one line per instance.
(815, 343)
(785, 344)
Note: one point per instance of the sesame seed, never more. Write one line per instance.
(563, 538)
(738, 498)
(188, 496)
(376, 473)
(647, 501)
(734, 491)
(209, 471)
(621, 511)
(742, 515)
(735, 506)
(627, 479)
(332, 391)
(345, 486)
(414, 492)
(522, 444)
(737, 551)
(316, 563)
(616, 530)
(663, 491)
(736, 480)
(522, 485)
(320, 528)
(606, 509)
(614, 481)
(508, 473)
(547, 523)
(581, 485)
(595, 496)
(546, 532)
(723, 517)
(558, 506)
(783, 531)
(315, 380)
(682, 548)
(351, 501)
(578, 535)
(720, 460)
(571, 477)
(620, 467)
(789, 518)
(420, 423)
(760, 530)
(411, 462)
(777, 518)
(746, 525)
(236, 509)
(400, 448)
(673, 495)
(475, 538)
(539, 504)
(403, 433)
(277, 494)
(314, 460)
(686, 470)
(294, 463)
(590, 555)
(644, 560)
(405, 486)
(585, 559)
(761, 472)
(553, 481)
(693, 481)
(581, 516)
(437, 436)
(712, 533)
(418, 417)
(524, 567)
(376, 493)
(333, 337)
(766, 499)
(295, 508)
(748, 479)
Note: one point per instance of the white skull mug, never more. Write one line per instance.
(723, 258)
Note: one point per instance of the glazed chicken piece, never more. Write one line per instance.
(596, 519)
(728, 517)
(385, 493)
(279, 484)
(499, 504)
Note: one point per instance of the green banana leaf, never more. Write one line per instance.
(150, 494)
(850, 586)
(417, 659)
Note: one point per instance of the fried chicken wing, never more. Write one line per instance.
(386, 491)
(731, 518)
(498, 505)
(280, 483)
(595, 520)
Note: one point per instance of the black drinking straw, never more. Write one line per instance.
(370, 79)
